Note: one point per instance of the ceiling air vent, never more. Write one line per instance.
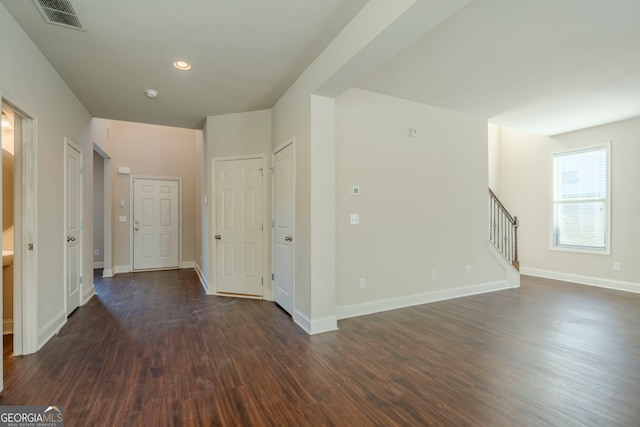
(59, 12)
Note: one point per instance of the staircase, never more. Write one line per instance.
(503, 230)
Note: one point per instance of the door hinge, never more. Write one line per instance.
(261, 171)
(273, 224)
(262, 226)
(273, 276)
(81, 170)
(81, 280)
(263, 281)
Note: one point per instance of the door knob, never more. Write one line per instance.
(71, 239)
(288, 239)
(136, 228)
(218, 237)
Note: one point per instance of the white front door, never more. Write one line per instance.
(283, 227)
(156, 224)
(238, 239)
(73, 208)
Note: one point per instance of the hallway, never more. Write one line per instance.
(152, 350)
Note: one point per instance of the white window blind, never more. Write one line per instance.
(581, 199)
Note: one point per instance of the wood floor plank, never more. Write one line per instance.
(152, 350)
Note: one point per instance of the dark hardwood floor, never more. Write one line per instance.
(152, 350)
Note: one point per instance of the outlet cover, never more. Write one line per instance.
(617, 266)
(363, 283)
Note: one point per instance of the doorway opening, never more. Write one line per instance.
(102, 211)
(19, 211)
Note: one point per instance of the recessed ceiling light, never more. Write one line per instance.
(152, 93)
(182, 65)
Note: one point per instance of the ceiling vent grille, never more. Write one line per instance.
(59, 12)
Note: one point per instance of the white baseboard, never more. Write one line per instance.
(583, 280)
(88, 293)
(98, 264)
(317, 326)
(51, 328)
(121, 269)
(7, 326)
(188, 264)
(362, 309)
(107, 272)
(202, 279)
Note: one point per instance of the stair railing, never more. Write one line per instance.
(503, 230)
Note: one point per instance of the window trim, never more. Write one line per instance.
(578, 249)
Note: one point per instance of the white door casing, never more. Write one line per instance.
(73, 225)
(239, 226)
(156, 223)
(283, 227)
(25, 329)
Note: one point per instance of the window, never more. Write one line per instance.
(581, 199)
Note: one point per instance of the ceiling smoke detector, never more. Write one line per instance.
(152, 93)
(59, 12)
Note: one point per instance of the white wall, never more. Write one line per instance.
(30, 82)
(232, 135)
(157, 151)
(494, 158)
(369, 39)
(423, 202)
(525, 187)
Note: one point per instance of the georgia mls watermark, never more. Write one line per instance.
(31, 416)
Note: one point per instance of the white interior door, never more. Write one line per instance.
(156, 224)
(239, 226)
(283, 227)
(73, 204)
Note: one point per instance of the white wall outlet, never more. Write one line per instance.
(468, 270)
(413, 132)
(123, 218)
(617, 266)
(354, 219)
(363, 283)
(434, 274)
(96, 252)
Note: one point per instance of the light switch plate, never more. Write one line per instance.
(354, 219)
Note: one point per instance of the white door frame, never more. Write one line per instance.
(70, 144)
(291, 142)
(266, 265)
(131, 211)
(25, 297)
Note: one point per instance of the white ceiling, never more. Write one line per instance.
(244, 53)
(543, 66)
